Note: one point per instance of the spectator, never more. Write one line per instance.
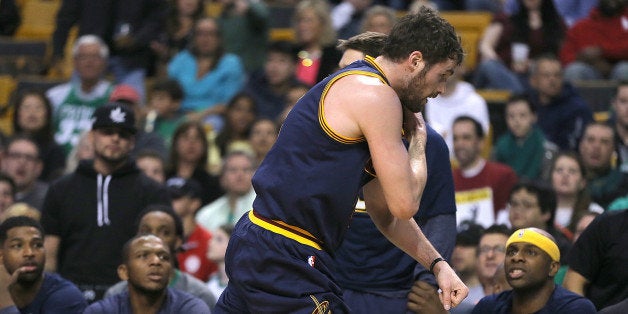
(568, 177)
(584, 221)
(127, 95)
(188, 159)
(262, 137)
(533, 205)
(316, 41)
(209, 76)
(561, 112)
(347, 17)
(216, 253)
(7, 192)
(235, 178)
(135, 25)
(186, 200)
(491, 254)
(74, 102)
(33, 117)
(84, 150)
(619, 106)
(152, 165)
(270, 87)
(482, 186)
(460, 98)
(92, 18)
(596, 47)
(89, 213)
(464, 261)
(379, 19)
(537, 28)
(245, 25)
(146, 266)
(10, 18)
(238, 117)
(597, 260)
(164, 106)
(23, 164)
(182, 16)
(531, 263)
(293, 95)
(163, 222)
(524, 146)
(23, 256)
(604, 182)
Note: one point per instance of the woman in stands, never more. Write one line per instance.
(33, 117)
(508, 44)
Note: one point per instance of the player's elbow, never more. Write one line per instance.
(405, 209)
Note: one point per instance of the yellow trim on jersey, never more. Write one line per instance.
(370, 60)
(321, 117)
(285, 230)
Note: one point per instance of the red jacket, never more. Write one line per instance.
(596, 30)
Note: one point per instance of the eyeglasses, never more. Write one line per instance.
(485, 249)
(27, 157)
(124, 134)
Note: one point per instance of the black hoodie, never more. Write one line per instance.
(94, 215)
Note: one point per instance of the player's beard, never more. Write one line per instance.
(410, 95)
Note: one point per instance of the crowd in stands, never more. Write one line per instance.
(169, 111)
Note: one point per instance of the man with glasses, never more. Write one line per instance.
(491, 254)
(89, 214)
(23, 164)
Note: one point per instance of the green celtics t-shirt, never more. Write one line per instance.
(73, 116)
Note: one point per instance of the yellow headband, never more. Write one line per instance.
(544, 243)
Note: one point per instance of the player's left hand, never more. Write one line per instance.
(453, 290)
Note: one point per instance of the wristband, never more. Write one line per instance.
(436, 260)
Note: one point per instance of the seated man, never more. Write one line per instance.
(31, 291)
(532, 261)
(146, 266)
(162, 221)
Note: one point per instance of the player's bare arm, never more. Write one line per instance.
(376, 113)
(406, 234)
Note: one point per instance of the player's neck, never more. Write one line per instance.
(146, 303)
(532, 300)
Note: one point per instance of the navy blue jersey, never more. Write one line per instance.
(311, 177)
(561, 301)
(367, 261)
(56, 296)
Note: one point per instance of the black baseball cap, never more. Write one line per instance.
(114, 114)
(469, 234)
(179, 187)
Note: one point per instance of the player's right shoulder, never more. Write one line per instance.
(361, 86)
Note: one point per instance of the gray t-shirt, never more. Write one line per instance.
(181, 281)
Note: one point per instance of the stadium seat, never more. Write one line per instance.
(38, 19)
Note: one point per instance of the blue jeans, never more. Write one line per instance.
(493, 74)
